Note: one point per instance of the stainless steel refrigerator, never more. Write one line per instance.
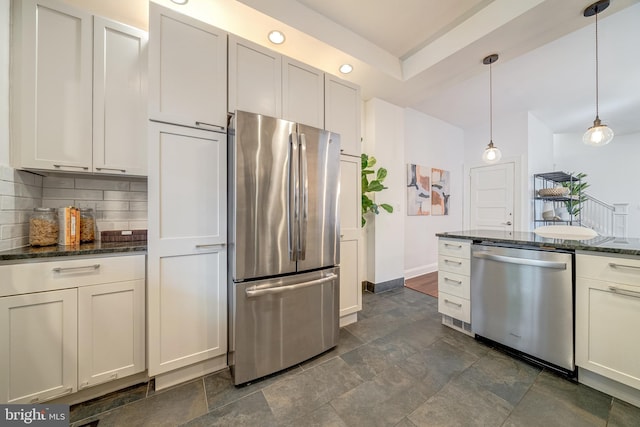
(284, 243)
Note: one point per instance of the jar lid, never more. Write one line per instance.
(44, 209)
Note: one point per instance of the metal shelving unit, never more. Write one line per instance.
(550, 180)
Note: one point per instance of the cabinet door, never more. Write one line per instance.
(607, 336)
(342, 113)
(111, 324)
(351, 247)
(38, 346)
(119, 98)
(186, 252)
(52, 86)
(187, 70)
(255, 78)
(302, 93)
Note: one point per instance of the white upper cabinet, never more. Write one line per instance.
(255, 78)
(302, 93)
(342, 113)
(264, 82)
(79, 92)
(119, 98)
(188, 78)
(52, 74)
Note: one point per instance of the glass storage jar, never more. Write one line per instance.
(87, 225)
(43, 227)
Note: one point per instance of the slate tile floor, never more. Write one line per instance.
(397, 366)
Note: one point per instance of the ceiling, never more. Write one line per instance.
(427, 54)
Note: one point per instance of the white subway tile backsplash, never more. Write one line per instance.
(138, 225)
(138, 206)
(57, 203)
(13, 231)
(125, 195)
(101, 184)
(68, 193)
(58, 182)
(119, 203)
(138, 186)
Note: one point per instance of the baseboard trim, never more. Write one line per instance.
(190, 372)
(419, 271)
(385, 286)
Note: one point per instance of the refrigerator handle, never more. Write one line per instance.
(292, 199)
(304, 196)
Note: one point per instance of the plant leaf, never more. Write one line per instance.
(387, 207)
(381, 175)
(375, 185)
(372, 162)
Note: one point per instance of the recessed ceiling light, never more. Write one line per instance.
(180, 1)
(276, 37)
(346, 68)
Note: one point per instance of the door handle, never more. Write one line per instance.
(62, 269)
(506, 223)
(256, 291)
(304, 198)
(521, 261)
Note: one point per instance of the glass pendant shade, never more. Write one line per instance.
(598, 134)
(492, 154)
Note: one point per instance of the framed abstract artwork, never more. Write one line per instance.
(418, 190)
(440, 184)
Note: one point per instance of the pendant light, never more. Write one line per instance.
(492, 153)
(598, 134)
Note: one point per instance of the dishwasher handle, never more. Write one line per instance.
(521, 261)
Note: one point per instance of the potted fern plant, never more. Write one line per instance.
(372, 186)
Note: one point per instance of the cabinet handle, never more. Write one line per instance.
(61, 269)
(457, 282)
(64, 393)
(624, 292)
(450, 245)
(112, 169)
(209, 124)
(211, 245)
(86, 168)
(448, 261)
(614, 265)
(453, 303)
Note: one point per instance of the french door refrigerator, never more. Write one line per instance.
(283, 243)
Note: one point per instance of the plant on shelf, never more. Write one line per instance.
(375, 185)
(576, 193)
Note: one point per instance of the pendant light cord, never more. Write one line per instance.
(597, 89)
(490, 102)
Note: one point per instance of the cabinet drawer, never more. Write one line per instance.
(456, 248)
(454, 284)
(453, 264)
(456, 307)
(610, 269)
(69, 273)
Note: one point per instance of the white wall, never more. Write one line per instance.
(433, 143)
(511, 136)
(540, 157)
(5, 19)
(384, 139)
(611, 170)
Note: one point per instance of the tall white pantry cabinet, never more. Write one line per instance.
(187, 268)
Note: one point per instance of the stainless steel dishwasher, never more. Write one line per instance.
(523, 299)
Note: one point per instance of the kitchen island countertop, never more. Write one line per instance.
(95, 248)
(617, 245)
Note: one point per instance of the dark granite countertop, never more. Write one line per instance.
(617, 245)
(96, 248)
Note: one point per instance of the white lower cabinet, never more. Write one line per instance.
(607, 317)
(69, 324)
(454, 280)
(111, 325)
(38, 346)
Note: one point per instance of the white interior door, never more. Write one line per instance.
(491, 197)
